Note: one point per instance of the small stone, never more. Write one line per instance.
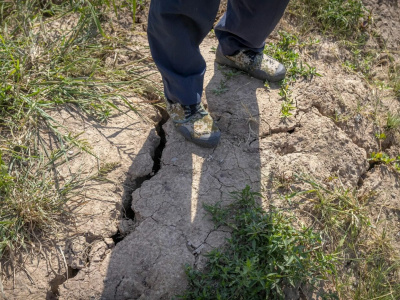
(76, 251)
(198, 250)
(109, 242)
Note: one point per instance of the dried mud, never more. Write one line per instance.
(133, 232)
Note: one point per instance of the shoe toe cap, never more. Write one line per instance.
(280, 72)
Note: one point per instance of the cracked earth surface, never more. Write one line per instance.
(134, 232)
(171, 226)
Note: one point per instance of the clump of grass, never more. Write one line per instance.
(394, 76)
(341, 212)
(343, 18)
(40, 71)
(368, 265)
(285, 52)
(264, 255)
(30, 205)
(392, 121)
(346, 20)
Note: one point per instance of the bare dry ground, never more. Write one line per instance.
(142, 220)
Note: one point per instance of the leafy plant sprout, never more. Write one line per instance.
(284, 51)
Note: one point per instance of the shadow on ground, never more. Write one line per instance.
(172, 229)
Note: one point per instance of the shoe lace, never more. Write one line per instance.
(193, 110)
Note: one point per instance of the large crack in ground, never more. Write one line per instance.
(160, 222)
(130, 185)
(128, 213)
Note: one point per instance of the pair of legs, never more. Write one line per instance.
(177, 27)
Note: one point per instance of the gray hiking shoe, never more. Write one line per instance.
(194, 123)
(258, 65)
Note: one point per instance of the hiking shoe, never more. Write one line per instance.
(258, 65)
(194, 123)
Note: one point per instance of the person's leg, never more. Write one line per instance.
(247, 23)
(175, 30)
(242, 32)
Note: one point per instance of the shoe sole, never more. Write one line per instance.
(222, 60)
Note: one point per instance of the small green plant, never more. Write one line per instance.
(287, 108)
(42, 70)
(264, 255)
(392, 121)
(380, 137)
(332, 17)
(221, 88)
(349, 65)
(368, 267)
(383, 158)
(285, 52)
(394, 76)
(228, 74)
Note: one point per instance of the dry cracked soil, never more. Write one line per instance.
(135, 230)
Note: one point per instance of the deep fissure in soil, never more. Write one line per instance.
(130, 186)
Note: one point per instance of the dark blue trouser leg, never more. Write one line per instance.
(177, 27)
(175, 30)
(247, 23)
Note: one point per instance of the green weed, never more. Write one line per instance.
(285, 52)
(223, 87)
(344, 18)
(41, 71)
(264, 255)
(394, 77)
(392, 121)
(383, 158)
(367, 266)
(287, 108)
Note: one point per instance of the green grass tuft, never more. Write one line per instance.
(285, 51)
(42, 68)
(264, 255)
(343, 18)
